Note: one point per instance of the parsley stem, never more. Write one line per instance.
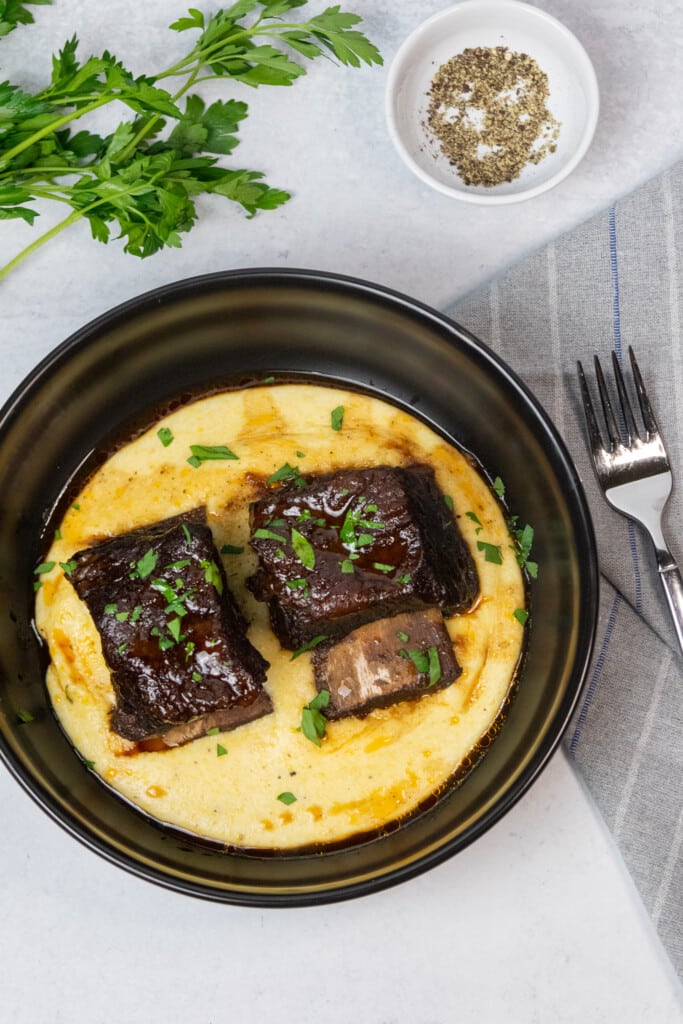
(71, 219)
(53, 126)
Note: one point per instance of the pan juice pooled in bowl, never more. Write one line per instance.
(283, 616)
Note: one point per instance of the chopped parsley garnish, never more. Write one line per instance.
(121, 648)
(196, 677)
(212, 732)
(25, 716)
(286, 798)
(475, 519)
(89, 764)
(174, 627)
(449, 502)
(165, 435)
(209, 453)
(347, 566)
(147, 564)
(69, 566)
(299, 584)
(262, 534)
(182, 564)
(231, 549)
(76, 507)
(308, 647)
(523, 538)
(521, 614)
(37, 584)
(165, 642)
(109, 609)
(303, 550)
(287, 472)
(306, 516)
(337, 417)
(44, 567)
(220, 750)
(492, 552)
(434, 665)
(188, 535)
(268, 380)
(301, 455)
(419, 659)
(122, 616)
(382, 567)
(212, 574)
(354, 521)
(405, 578)
(136, 613)
(313, 721)
(58, 534)
(499, 487)
(403, 637)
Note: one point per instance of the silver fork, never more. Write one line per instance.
(635, 475)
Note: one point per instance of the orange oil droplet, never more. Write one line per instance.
(155, 791)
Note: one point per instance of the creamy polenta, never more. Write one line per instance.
(228, 787)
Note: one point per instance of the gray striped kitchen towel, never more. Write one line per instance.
(612, 282)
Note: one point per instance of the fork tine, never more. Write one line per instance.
(631, 427)
(610, 420)
(597, 445)
(645, 407)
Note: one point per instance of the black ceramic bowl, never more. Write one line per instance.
(226, 326)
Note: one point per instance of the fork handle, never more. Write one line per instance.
(672, 581)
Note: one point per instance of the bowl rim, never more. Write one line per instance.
(580, 57)
(588, 607)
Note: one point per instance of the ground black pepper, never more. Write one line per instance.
(487, 110)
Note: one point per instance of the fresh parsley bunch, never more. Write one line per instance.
(144, 177)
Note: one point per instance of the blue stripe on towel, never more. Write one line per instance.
(595, 678)
(616, 326)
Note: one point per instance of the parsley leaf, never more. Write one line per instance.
(212, 574)
(521, 614)
(313, 722)
(523, 538)
(14, 13)
(492, 552)
(303, 549)
(308, 647)
(209, 453)
(44, 567)
(262, 534)
(286, 472)
(337, 417)
(286, 798)
(231, 549)
(434, 665)
(147, 564)
(165, 435)
(499, 487)
(475, 519)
